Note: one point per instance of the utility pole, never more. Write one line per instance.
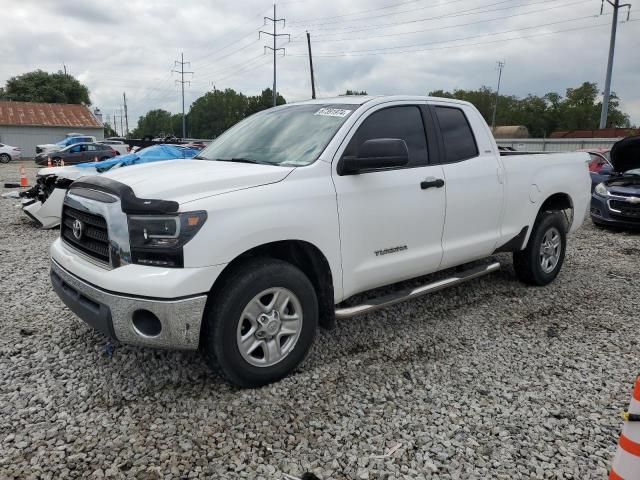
(126, 116)
(121, 126)
(313, 83)
(274, 35)
(495, 104)
(182, 81)
(612, 46)
(65, 68)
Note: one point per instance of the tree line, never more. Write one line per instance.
(578, 109)
(217, 110)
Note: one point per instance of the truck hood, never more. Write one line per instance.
(188, 180)
(625, 154)
(70, 172)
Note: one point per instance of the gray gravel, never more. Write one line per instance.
(488, 380)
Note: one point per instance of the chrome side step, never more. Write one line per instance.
(410, 293)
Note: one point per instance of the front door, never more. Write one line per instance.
(390, 220)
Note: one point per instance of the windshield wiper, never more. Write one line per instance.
(239, 160)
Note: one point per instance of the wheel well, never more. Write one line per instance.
(306, 257)
(557, 202)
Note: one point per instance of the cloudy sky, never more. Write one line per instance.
(381, 46)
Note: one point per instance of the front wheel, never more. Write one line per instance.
(261, 323)
(56, 162)
(5, 158)
(540, 262)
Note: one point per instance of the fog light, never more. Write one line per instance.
(146, 323)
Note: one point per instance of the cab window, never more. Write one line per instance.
(459, 142)
(403, 122)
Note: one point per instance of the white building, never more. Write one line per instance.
(27, 124)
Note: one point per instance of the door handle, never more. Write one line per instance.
(431, 183)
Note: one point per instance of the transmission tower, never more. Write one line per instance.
(612, 46)
(182, 81)
(275, 48)
(495, 104)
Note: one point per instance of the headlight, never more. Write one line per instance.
(158, 240)
(601, 190)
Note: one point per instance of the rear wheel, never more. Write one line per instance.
(540, 262)
(262, 322)
(5, 158)
(56, 161)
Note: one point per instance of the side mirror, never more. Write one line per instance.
(376, 154)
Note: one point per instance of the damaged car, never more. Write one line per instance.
(616, 201)
(43, 202)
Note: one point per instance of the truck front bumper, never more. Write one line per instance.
(152, 322)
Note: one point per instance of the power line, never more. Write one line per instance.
(275, 48)
(349, 54)
(182, 81)
(383, 49)
(394, 5)
(446, 27)
(461, 13)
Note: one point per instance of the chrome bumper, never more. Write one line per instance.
(113, 313)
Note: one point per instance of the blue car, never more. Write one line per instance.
(615, 201)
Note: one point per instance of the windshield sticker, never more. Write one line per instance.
(333, 112)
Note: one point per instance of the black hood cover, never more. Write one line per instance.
(625, 154)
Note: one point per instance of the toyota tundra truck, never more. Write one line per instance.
(273, 228)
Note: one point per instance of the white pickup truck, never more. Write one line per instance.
(245, 249)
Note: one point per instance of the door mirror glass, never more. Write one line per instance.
(376, 154)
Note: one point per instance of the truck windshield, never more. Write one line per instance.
(291, 135)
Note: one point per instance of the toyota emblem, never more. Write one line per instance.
(78, 229)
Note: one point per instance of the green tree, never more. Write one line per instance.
(578, 109)
(263, 101)
(40, 86)
(355, 92)
(109, 131)
(156, 122)
(215, 111)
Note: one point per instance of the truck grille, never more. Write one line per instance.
(91, 238)
(628, 210)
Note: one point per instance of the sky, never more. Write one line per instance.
(381, 46)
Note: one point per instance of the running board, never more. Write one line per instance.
(411, 293)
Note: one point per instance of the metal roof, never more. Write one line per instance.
(47, 114)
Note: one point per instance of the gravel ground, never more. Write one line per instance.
(489, 380)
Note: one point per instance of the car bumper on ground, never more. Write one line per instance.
(163, 323)
(602, 214)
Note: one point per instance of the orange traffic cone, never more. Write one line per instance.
(48, 161)
(62, 162)
(95, 159)
(626, 463)
(23, 177)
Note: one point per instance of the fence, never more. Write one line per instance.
(556, 144)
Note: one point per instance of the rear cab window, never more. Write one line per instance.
(457, 135)
(403, 122)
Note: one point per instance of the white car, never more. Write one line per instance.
(118, 145)
(8, 153)
(244, 250)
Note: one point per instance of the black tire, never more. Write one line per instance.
(5, 158)
(221, 323)
(56, 162)
(528, 262)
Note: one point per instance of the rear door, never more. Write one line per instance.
(473, 182)
(390, 225)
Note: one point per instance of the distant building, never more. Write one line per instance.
(27, 124)
(511, 131)
(598, 133)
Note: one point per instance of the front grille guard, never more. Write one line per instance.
(117, 228)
